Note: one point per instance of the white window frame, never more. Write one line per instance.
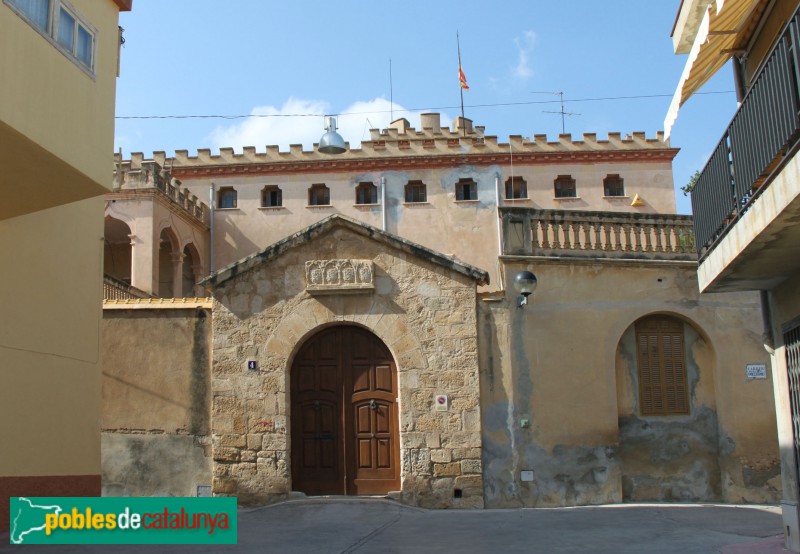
(50, 32)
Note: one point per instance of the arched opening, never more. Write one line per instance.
(191, 272)
(117, 250)
(167, 254)
(344, 420)
(666, 404)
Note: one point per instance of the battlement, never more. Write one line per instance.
(154, 175)
(401, 140)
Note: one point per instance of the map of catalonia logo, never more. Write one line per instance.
(86, 520)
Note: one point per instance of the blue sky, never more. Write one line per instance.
(198, 57)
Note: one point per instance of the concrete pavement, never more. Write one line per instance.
(350, 525)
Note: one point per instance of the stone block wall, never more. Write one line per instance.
(424, 312)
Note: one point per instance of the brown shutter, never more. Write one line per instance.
(662, 366)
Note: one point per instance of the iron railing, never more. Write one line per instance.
(115, 289)
(765, 128)
(582, 234)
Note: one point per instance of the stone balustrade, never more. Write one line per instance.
(580, 234)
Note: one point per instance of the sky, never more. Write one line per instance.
(297, 61)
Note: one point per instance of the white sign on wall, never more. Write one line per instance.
(756, 371)
(440, 403)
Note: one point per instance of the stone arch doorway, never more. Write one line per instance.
(344, 419)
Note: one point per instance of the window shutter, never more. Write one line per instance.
(662, 366)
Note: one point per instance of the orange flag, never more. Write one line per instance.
(462, 79)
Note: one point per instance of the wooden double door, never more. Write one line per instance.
(344, 421)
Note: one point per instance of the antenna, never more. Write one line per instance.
(562, 112)
(391, 93)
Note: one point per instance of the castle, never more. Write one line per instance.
(348, 324)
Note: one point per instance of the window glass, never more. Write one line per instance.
(227, 198)
(613, 186)
(516, 187)
(66, 30)
(83, 50)
(37, 11)
(319, 195)
(271, 197)
(366, 193)
(416, 191)
(565, 187)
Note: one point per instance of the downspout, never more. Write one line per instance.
(766, 319)
(499, 231)
(383, 202)
(211, 195)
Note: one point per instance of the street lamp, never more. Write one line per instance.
(525, 283)
(331, 142)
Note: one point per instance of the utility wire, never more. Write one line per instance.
(598, 99)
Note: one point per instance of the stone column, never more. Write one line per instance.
(177, 274)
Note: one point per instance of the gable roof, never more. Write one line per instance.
(311, 232)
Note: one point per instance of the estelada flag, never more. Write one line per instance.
(462, 79)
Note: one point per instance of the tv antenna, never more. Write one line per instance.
(562, 112)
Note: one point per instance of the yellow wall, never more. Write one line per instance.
(50, 310)
(56, 120)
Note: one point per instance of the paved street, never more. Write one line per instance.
(372, 525)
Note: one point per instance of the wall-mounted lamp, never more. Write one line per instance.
(331, 142)
(525, 283)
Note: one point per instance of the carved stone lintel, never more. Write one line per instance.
(339, 276)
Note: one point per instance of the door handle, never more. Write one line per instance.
(373, 405)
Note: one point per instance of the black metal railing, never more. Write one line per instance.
(763, 131)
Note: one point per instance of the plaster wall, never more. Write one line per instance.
(54, 114)
(156, 401)
(423, 312)
(564, 364)
(464, 229)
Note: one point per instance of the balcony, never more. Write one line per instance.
(598, 235)
(746, 202)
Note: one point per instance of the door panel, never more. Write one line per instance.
(344, 415)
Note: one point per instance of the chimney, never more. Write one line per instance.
(430, 121)
(464, 124)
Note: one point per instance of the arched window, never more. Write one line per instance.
(271, 197)
(416, 191)
(319, 195)
(662, 366)
(366, 193)
(565, 187)
(466, 189)
(516, 188)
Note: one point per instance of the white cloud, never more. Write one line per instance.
(301, 121)
(524, 46)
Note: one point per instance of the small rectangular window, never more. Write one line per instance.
(366, 193)
(613, 185)
(271, 197)
(565, 187)
(319, 195)
(466, 189)
(227, 198)
(66, 30)
(416, 192)
(516, 188)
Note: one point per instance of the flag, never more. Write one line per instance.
(462, 79)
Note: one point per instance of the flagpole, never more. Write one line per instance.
(460, 87)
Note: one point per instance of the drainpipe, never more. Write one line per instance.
(497, 182)
(211, 195)
(383, 202)
(766, 319)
